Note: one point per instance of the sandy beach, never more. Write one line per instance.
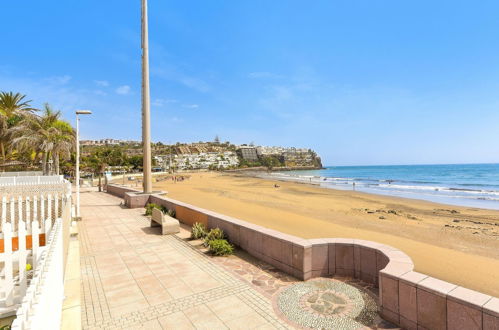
(455, 244)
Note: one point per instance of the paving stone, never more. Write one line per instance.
(119, 243)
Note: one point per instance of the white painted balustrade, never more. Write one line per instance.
(31, 180)
(42, 304)
(34, 219)
(23, 242)
(23, 173)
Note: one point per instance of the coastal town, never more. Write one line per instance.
(209, 155)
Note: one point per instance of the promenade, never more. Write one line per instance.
(134, 278)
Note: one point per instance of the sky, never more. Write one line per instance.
(361, 82)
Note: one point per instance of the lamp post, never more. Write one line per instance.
(78, 112)
(146, 112)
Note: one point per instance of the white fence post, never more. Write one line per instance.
(56, 206)
(15, 225)
(47, 226)
(4, 211)
(22, 255)
(35, 207)
(8, 285)
(49, 208)
(42, 209)
(12, 212)
(35, 238)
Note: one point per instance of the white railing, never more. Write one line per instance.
(20, 249)
(41, 307)
(23, 173)
(15, 180)
(25, 224)
(31, 208)
(29, 212)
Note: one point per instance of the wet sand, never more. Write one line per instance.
(455, 244)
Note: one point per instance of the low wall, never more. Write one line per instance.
(417, 301)
(135, 199)
(118, 190)
(406, 298)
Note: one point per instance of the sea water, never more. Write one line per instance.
(473, 185)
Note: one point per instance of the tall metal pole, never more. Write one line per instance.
(78, 112)
(146, 111)
(77, 167)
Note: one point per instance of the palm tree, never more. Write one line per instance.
(63, 142)
(13, 108)
(48, 135)
(97, 165)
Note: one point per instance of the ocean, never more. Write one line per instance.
(472, 185)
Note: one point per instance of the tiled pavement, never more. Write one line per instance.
(132, 277)
(267, 279)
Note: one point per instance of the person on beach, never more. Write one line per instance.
(353, 186)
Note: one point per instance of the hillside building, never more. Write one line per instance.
(248, 153)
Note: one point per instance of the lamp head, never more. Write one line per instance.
(83, 112)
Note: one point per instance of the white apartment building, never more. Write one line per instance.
(107, 142)
(265, 151)
(203, 160)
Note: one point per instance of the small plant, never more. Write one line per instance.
(151, 206)
(164, 209)
(171, 213)
(215, 233)
(198, 231)
(220, 247)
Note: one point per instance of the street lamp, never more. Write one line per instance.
(146, 112)
(78, 112)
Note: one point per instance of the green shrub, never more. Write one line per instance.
(220, 247)
(215, 233)
(151, 206)
(198, 231)
(162, 208)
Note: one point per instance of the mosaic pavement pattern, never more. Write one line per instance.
(327, 304)
(316, 303)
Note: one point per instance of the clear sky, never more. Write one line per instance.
(361, 82)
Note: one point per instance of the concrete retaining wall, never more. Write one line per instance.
(417, 301)
(118, 190)
(407, 298)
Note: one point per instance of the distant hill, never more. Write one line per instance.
(205, 155)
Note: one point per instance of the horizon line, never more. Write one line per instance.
(424, 164)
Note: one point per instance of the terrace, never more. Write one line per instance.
(333, 283)
(134, 277)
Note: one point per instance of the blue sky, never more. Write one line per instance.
(361, 82)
